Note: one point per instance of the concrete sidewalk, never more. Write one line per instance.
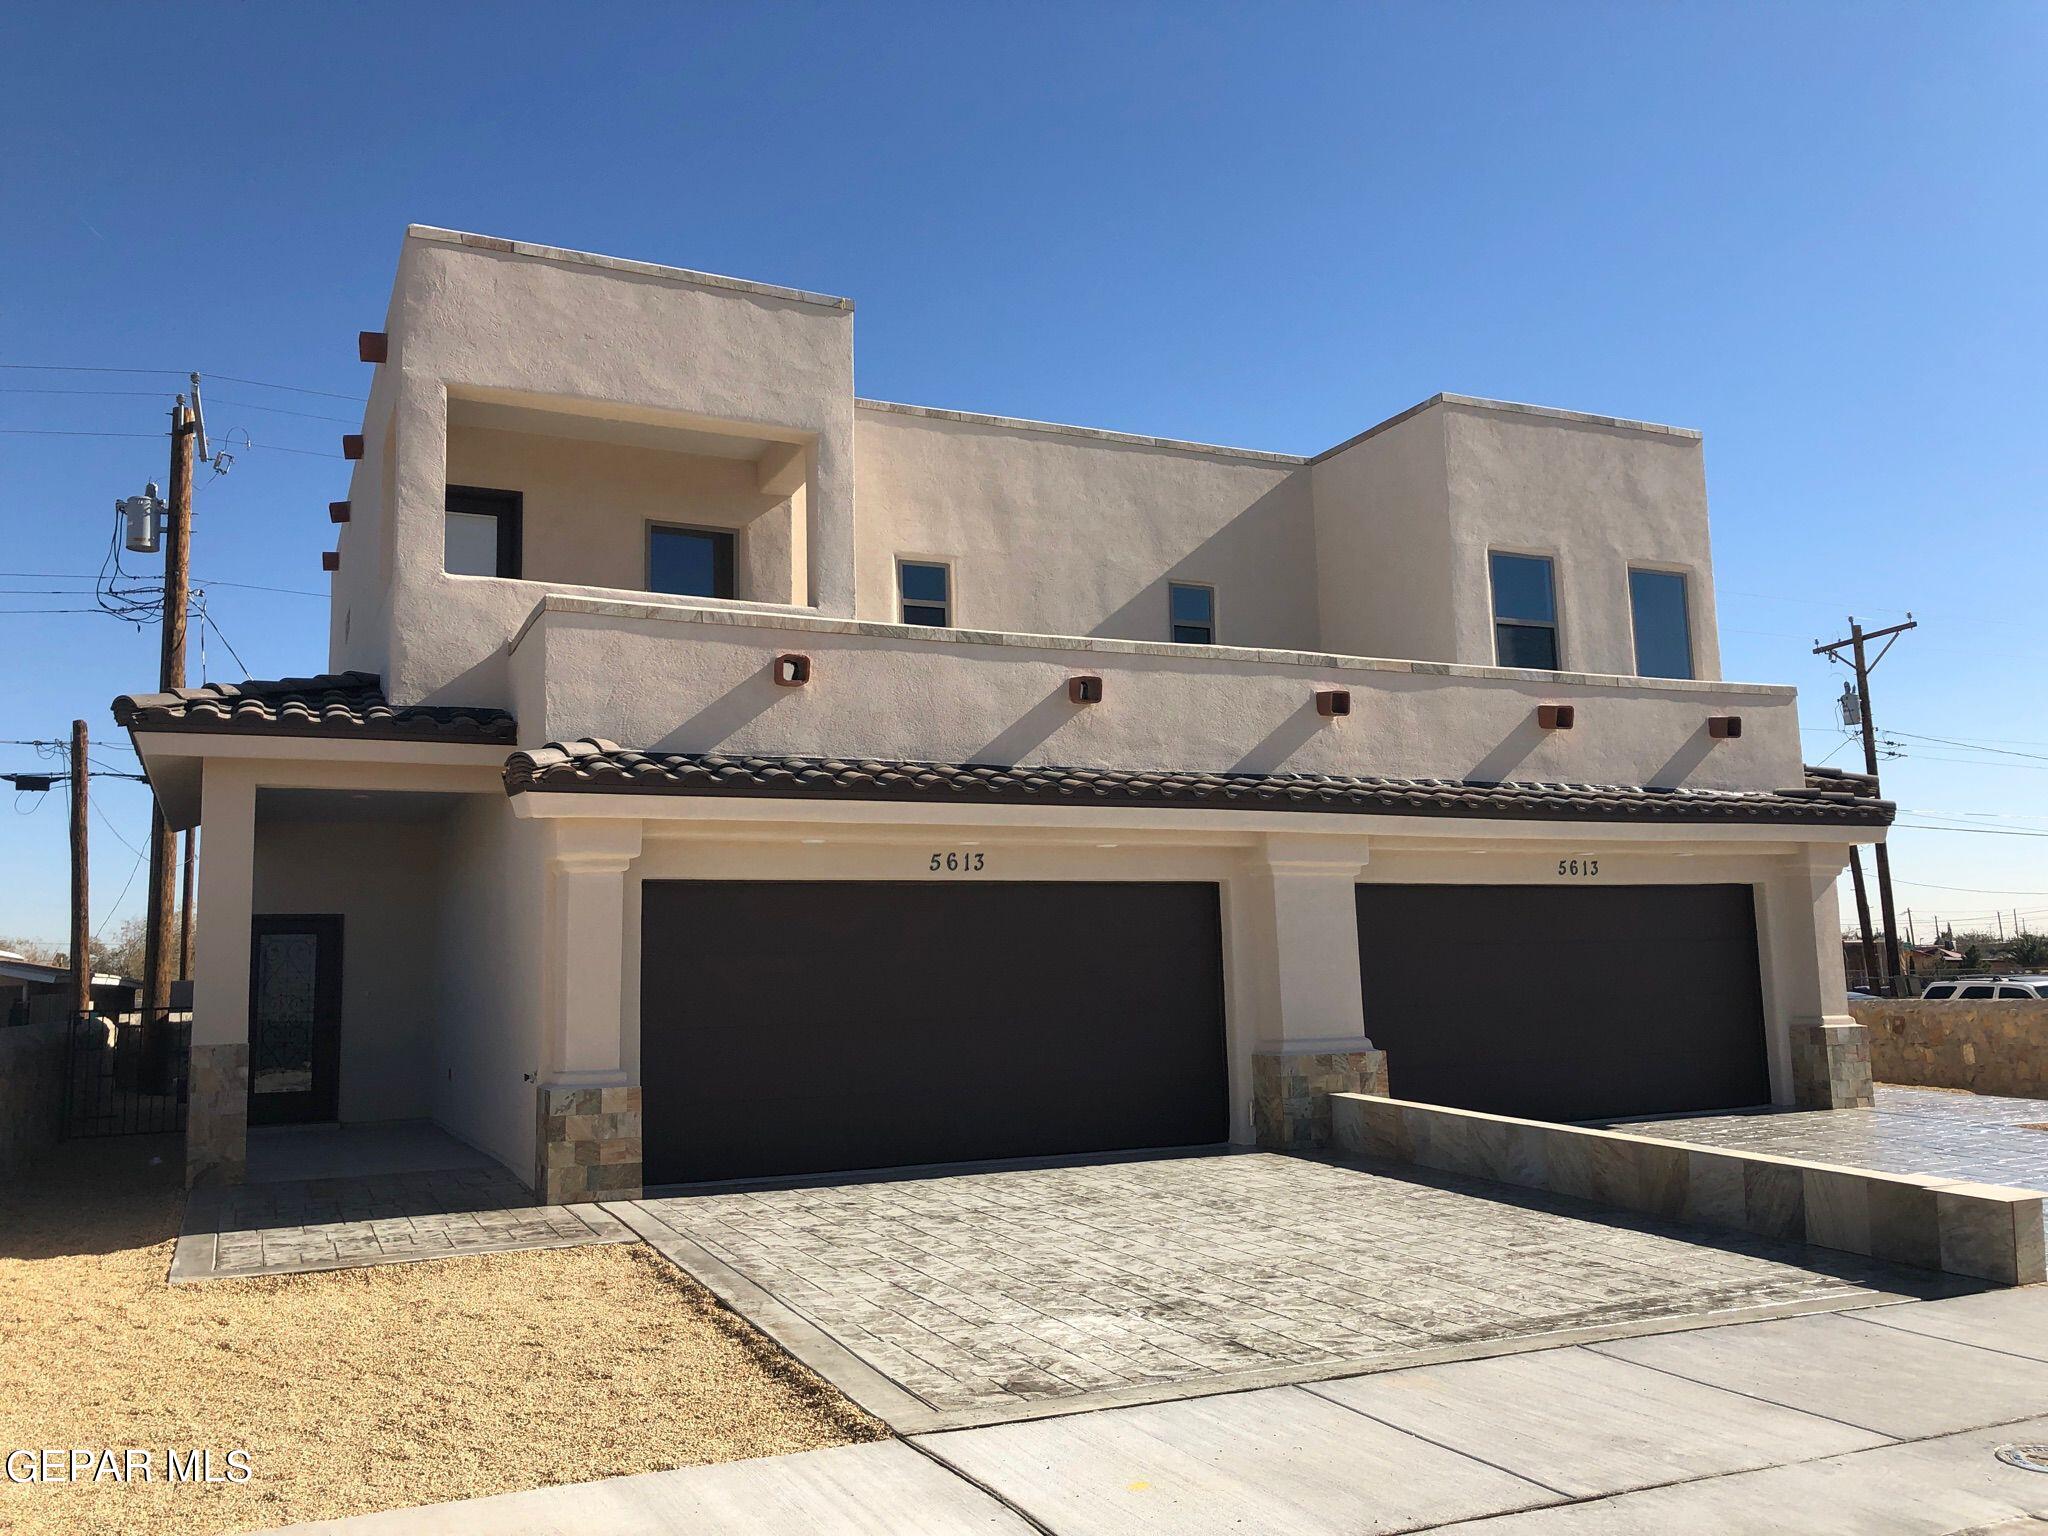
(1881, 1420)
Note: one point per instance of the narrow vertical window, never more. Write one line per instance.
(481, 534)
(1663, 623)
(927, 589)
(689, 562)
(1192, 613)
(1524, 612)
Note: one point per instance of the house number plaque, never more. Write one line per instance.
(964, 861)
(1578, 869)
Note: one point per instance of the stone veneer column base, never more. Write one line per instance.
(1291, 1093)
(217, 1115)
(1831, 1065)
(588, 1147)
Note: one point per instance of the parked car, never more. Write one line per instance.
(1972, 989)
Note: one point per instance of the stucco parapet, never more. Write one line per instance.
(1510, 408)
(806, 623)
(621, 264)
(1097, 434)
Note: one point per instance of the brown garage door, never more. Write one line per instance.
(1565, 1002)
(813, 1027)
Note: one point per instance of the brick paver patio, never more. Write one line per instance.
(308, 1224)
(1912, 1130)
(990, 1291)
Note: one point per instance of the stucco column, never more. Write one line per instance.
(217, 1083)
(588, 1145)
(1819, 1055)
(1295, 940)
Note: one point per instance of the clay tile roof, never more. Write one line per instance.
(338, 704)
(595, 766)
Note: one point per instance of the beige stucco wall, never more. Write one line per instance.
(382, 880)
(1052, 533)
(1383, 545)
(588, 507)
(522, 329)
(1596, 498)
(488, 1001)
(1377, 548)
(700, 681)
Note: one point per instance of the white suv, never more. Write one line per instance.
(1973, 989)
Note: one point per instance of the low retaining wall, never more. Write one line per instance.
(31, 1091)
(1980, 1230)
(1985, 1047)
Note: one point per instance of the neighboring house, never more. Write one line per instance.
(31, 991)
(718, 774)
(1915, 960)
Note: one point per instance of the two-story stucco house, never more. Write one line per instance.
(718, 774)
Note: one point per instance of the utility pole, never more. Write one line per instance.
(1863, 916)
(81, 906)
(159, 963)
(1857, 644)
(185, 906)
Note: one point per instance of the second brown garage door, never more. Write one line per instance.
(813, 1027)
(1565, 1002)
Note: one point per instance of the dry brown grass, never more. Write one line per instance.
(360, 1389)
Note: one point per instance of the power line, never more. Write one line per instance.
(197, 581)
(226, 378)
(152, 394)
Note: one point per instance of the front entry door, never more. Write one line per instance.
(294, 1018)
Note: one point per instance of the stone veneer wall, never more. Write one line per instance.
(1291, 1093)
(1986, 1047)
(1980, 1230)
(1831, 1066)
(217, 1115)
(589, 1146)
(31, 1091)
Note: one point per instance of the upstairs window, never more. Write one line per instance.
(689, 562)
(481, 533)
(927, 589)
(1192, 613)
(1663, 624)
(1524, 612)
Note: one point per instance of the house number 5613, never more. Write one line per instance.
(963, 863)
(1581, 869)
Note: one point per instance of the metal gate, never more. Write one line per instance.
(125, 1076)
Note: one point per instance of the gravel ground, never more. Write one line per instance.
(361, 1389)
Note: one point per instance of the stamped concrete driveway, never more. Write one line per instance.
(983, 1295)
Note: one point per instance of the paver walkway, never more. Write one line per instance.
(1912, 1130)
(290, 1227)
(1881, 1422)
(984, 1295)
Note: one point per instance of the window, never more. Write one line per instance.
(1940, 993)
(1662, 623)
(927, 589)
(1524, 612)
(689, 562)
(2015, 992)
(1974, 992)
(1192, 612)
(481, 535)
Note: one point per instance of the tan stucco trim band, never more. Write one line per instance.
(1512, 408)
(1062, 429)
(692, 613)
(621, 264)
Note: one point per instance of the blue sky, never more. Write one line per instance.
(1815, 232)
